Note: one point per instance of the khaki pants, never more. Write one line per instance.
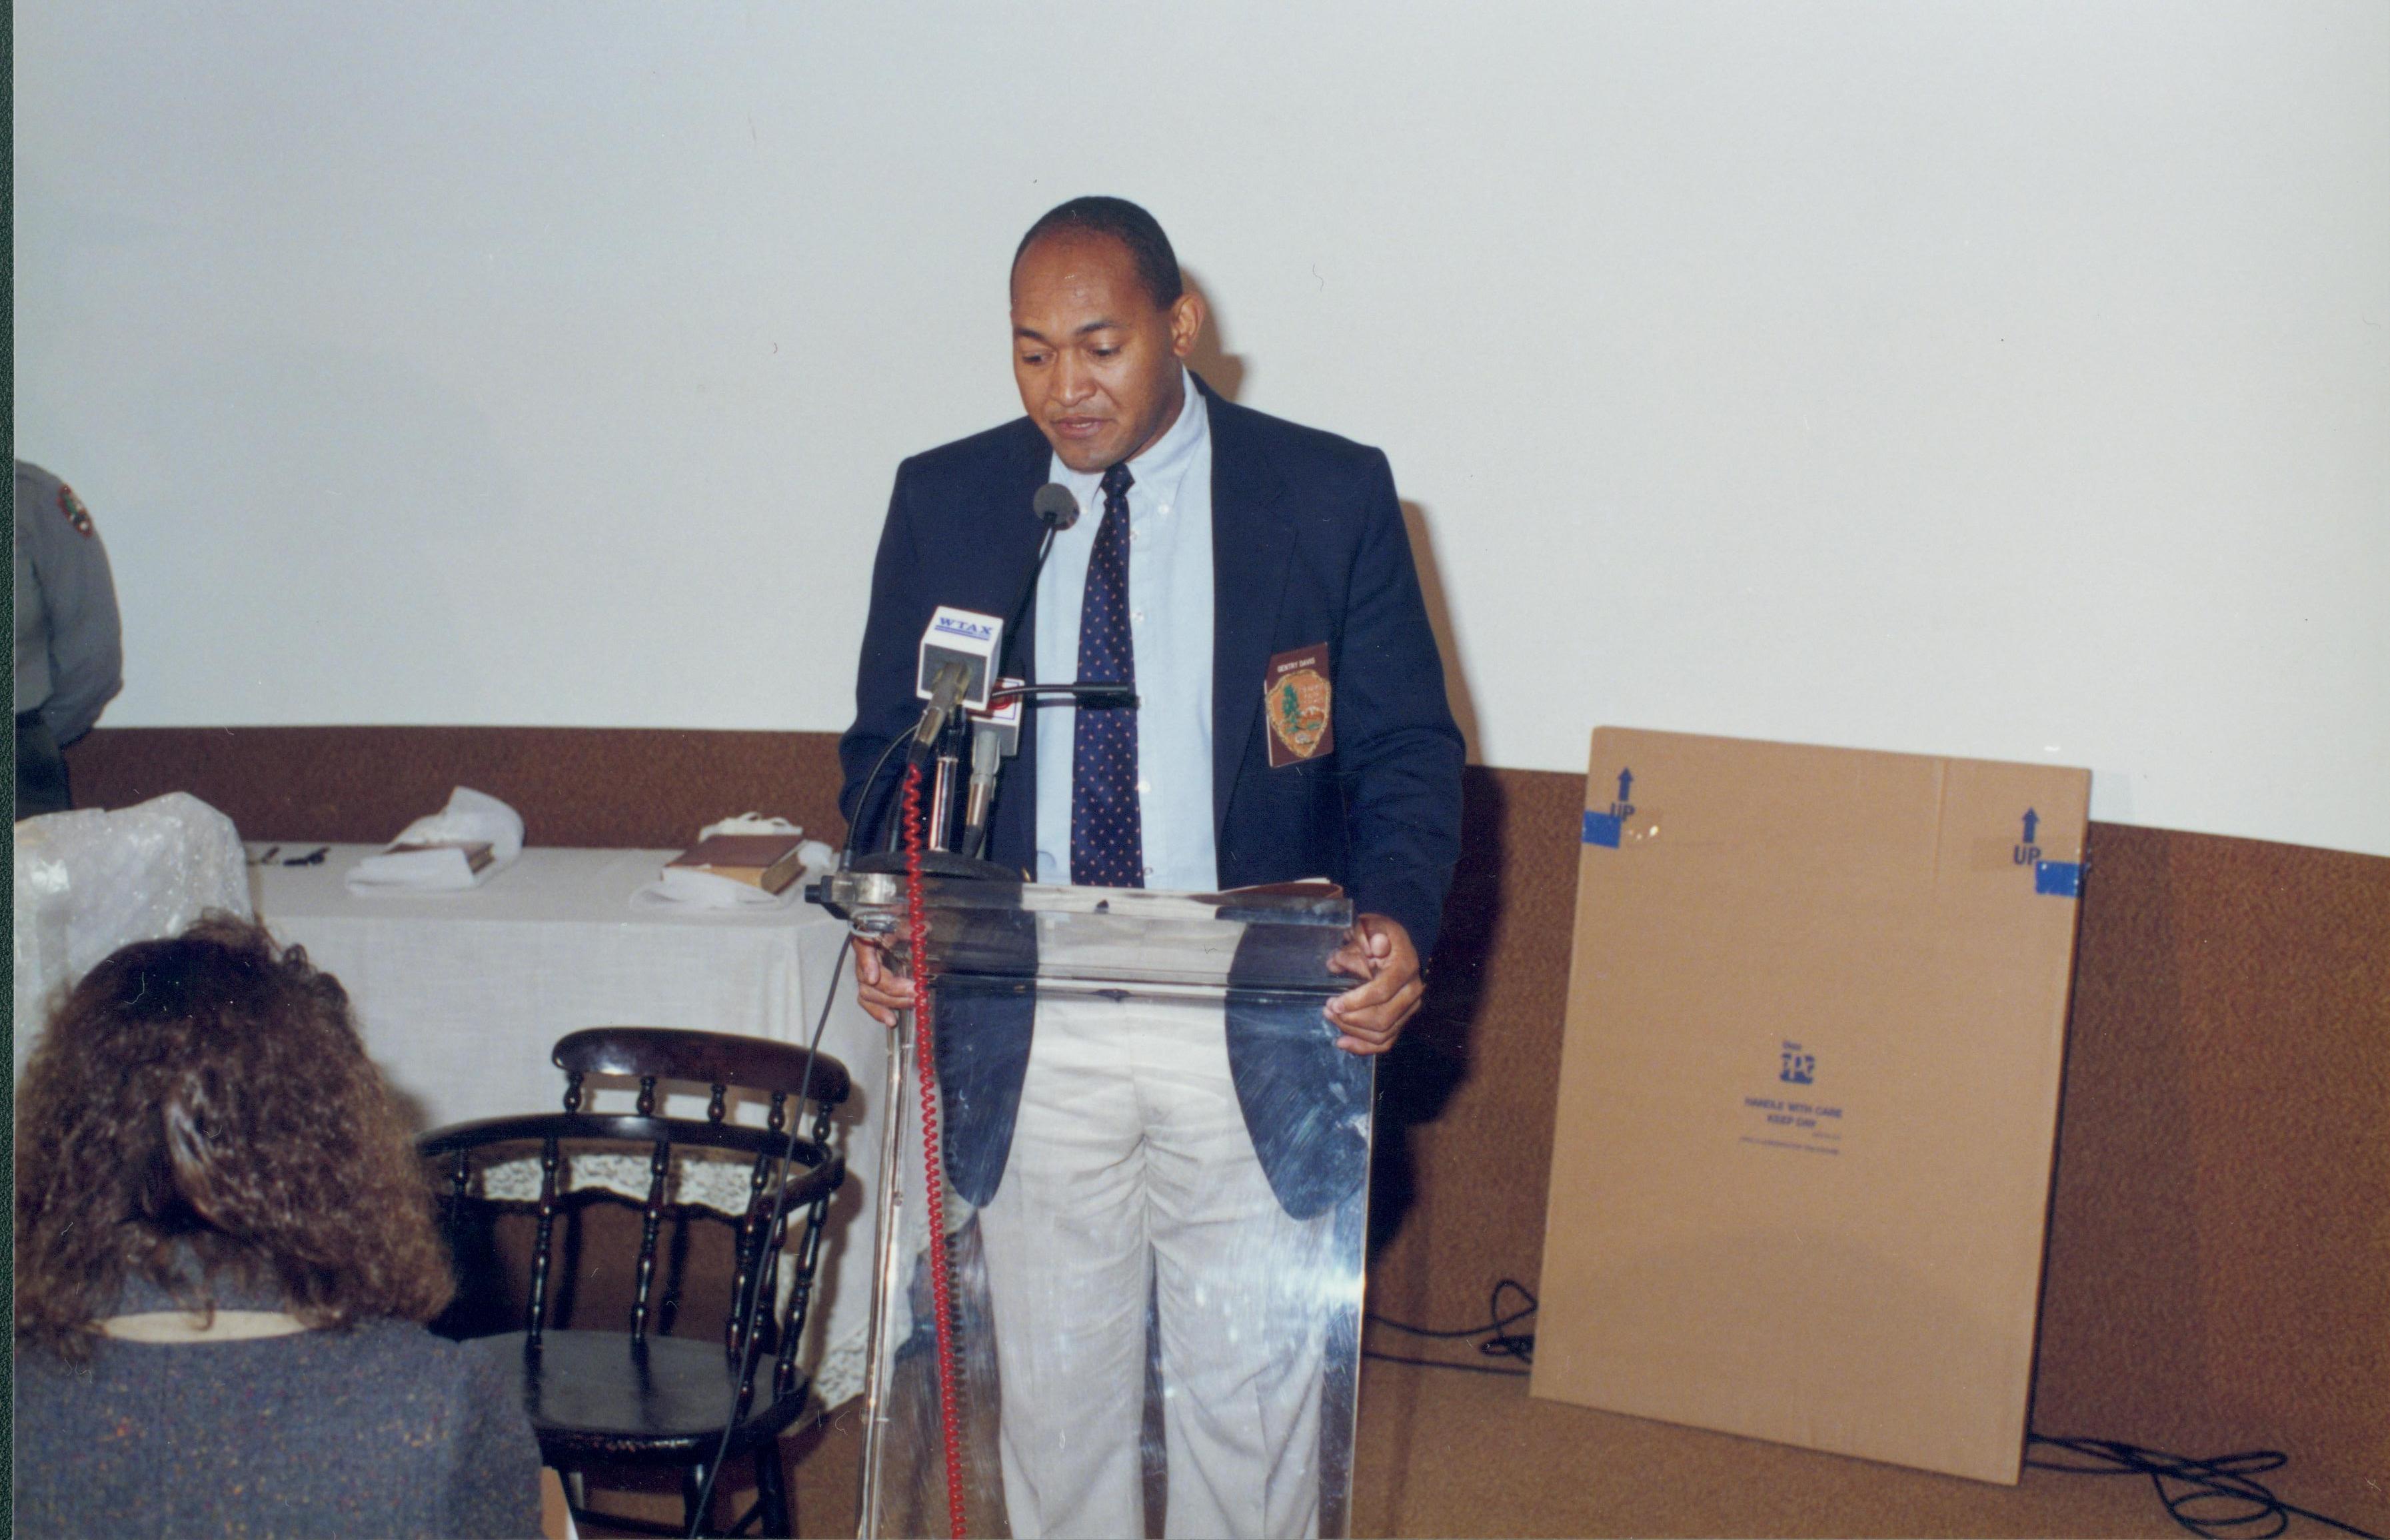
(1130, 1170)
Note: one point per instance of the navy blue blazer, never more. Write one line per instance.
(1307, 547)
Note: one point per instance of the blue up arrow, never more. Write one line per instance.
(2031, 822)
(1626, 783)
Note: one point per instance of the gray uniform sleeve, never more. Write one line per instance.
(78, 598)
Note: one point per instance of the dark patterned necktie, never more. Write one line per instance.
(1107, 835)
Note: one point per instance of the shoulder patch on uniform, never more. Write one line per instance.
(1295, 703)
(76, 514)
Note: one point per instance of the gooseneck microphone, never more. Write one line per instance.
(1057, 510)
(997, 735)
(1055, 507)
(957, 668)
(946, 694)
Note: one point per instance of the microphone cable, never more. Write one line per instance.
(747, 1362)
(2216, 1498)
(932, 1169)
(863, 800)
(1500, 1341)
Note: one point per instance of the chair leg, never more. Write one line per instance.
(771, 1490)
(692, 1487)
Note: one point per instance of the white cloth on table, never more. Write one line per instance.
(89, 882)
(677, 887)
(460, 996)
(471, 817)
(689, 888)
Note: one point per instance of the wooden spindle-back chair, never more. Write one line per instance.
(641, 1395)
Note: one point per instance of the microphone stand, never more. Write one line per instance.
(1057, 511)
(964, 861)
(990, 745)
(1021, 605)
(1085, 692)
(943, 801)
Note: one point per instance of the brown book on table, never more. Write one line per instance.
(766, 861)
(477, 852)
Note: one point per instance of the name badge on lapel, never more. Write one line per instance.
(1295, 702)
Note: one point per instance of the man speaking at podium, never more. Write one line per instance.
(1252, 578)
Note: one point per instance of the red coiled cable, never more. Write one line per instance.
(917, 925)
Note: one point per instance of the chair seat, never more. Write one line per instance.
(596, 1396)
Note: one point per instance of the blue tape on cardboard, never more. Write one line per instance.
(2058, 879)
(1602, 829)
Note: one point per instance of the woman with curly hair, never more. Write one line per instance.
(224, 1256)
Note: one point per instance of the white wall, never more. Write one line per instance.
(2003, 379)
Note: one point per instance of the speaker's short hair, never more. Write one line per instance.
(1157, 265)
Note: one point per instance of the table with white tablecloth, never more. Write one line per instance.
(461, 995)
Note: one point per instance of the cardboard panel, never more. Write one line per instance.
(1808, 1090)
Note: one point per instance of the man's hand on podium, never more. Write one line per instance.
(879, 984)
(1378, 951)
(1368, 1018)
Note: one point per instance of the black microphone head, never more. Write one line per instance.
(1056, 507)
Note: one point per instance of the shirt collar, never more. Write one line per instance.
(1163, 465)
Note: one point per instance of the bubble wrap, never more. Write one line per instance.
(89, 882)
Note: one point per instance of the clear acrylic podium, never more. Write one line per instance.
(1155, 1185)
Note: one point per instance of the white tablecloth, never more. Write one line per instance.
(461, 995)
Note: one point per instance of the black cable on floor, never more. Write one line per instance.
(2217, 1498)
(751, 1360)
(2214, 1499)
(1500, 1341)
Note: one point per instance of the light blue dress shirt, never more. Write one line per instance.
(1170, 626)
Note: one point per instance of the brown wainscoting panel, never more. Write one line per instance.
(1466, 1098)
(603, 787)
(2219, 1272)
